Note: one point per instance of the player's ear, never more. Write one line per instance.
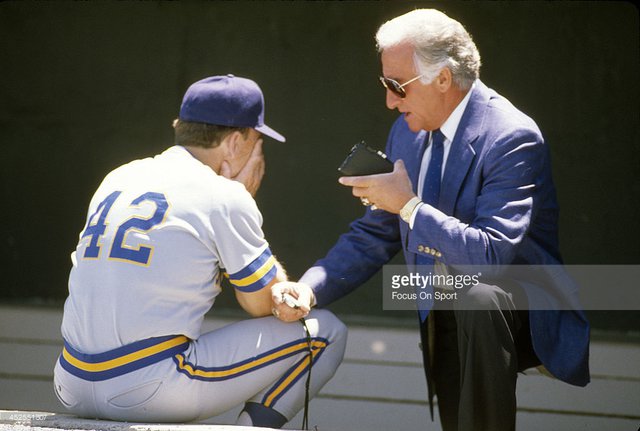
(231, 144)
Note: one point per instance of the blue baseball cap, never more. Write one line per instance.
(227, 101)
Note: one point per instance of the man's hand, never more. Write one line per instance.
(251, 173)
(291, 301)
(389, 192)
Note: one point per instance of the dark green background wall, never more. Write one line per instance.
(87, 86)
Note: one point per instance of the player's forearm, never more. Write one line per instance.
(259, 304)
(254, 303)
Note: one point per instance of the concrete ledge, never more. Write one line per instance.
(18, 420)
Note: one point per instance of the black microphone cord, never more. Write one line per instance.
(305, 416)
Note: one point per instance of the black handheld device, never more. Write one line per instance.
(364, 160)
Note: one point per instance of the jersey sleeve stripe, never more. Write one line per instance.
(256, 275)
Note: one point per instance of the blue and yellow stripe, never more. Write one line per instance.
(294, 373)
(256, 275)
(214, 374)
(123, 360)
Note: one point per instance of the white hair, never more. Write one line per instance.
(438, 41)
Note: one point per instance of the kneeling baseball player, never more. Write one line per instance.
(160, 234)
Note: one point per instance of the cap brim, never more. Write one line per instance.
(266, 130)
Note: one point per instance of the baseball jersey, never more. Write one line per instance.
(160, 234)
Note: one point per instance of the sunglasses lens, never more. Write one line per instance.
(393, 86)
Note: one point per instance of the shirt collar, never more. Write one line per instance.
(450, 126)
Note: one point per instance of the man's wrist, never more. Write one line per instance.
(312, 300)
(407, 210)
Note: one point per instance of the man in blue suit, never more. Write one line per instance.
(471, 185)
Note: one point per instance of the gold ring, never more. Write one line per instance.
(365, 202)
(275, 312)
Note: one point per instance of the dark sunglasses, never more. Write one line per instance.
(395, 87)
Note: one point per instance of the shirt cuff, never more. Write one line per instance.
(413, 214)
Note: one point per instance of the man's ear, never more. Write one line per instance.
(444, 80)
(231, 144)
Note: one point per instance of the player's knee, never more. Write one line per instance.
(331, 328)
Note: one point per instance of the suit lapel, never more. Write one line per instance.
(412, 157)
(462, 152)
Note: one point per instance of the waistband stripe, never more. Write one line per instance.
(122, 360)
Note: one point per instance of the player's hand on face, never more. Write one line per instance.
(389, 192)
(291, 301)
(251, 173)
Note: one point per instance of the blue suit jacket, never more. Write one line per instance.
(497, 207)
